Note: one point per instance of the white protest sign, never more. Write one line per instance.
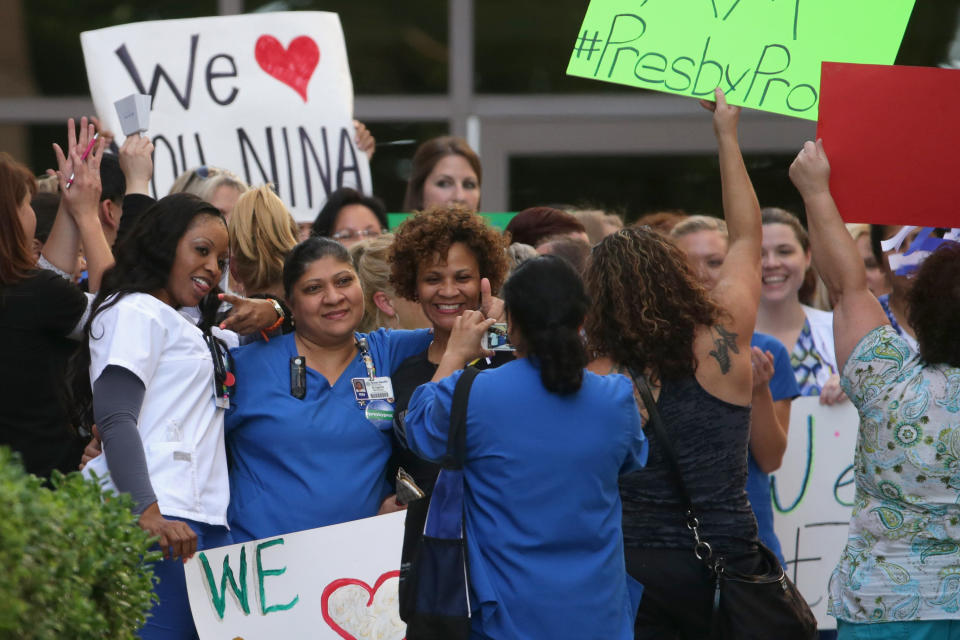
(329, 583)
(813, 496)
(267, 96)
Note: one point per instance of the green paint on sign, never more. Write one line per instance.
(219, 596)
(764, 54)
(499, 220)
(264, 573)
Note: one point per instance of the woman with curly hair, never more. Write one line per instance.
(450, 261)
(651, 316)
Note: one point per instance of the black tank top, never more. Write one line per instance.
(710, 437)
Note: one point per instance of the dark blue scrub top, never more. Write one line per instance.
(783, 386)
(542, 503)
(300, 464)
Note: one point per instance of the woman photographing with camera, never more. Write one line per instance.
(545, 444)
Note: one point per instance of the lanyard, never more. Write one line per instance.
(367, 359)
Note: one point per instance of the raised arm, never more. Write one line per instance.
(856, 311)
(738, 287)
(82, 201)
(63, 243)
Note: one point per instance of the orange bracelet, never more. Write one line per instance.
(276, 325)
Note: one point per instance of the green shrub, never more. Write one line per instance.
(75, 565)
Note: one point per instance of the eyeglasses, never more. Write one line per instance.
(350, 234)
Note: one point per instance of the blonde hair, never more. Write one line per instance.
(371, 259)
(694, 224)
(594, 221)
(858, 229)
(204, 181)
(262, 234)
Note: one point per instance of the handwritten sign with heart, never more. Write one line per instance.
(292, 66)
(333, 583)
(240, 93)
(357, 611)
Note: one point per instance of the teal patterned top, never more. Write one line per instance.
(902, 558)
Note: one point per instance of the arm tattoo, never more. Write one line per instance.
(725, 343)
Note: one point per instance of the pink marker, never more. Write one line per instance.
(84, 156)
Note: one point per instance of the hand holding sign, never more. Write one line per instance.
(725, 116)
(136, 162)
(810, 171)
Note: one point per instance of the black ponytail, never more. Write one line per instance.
(547, 303)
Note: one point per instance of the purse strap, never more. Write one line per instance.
(457, 438)
(701, 548)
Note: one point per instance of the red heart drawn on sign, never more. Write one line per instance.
(292, 66)
(365, 612)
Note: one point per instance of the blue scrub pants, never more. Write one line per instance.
(915, 630)
(170, 618)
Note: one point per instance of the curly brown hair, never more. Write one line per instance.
(934, 297)
(429, 234)
(647, 304)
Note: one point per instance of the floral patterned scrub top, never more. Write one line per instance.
(902, 558)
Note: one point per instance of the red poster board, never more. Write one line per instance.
(893, 138)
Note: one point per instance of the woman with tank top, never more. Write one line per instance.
(651, 315)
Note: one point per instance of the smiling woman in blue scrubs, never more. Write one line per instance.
(307, 440)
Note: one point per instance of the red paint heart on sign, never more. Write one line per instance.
(292, 66)
(346, 607)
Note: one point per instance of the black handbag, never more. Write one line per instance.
(746, 606)
(434, 588)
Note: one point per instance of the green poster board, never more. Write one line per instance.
(499, 220)
(764, 54)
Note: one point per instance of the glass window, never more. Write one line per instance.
(523, 47)
(53, 34)
(393, 47)
(932, 28)
(635, 185)
(39, 152)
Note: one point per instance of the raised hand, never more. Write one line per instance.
(810, 171)
(490, 305)
(136, 161)
(81, 195)
(725, 116)
(105, 133)
(365, 140)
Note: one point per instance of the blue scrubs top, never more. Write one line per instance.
(299, 464)
(783, 386)
(542, 506)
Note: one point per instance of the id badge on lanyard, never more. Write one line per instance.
(373, 394)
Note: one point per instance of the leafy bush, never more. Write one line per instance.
(75, 565)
